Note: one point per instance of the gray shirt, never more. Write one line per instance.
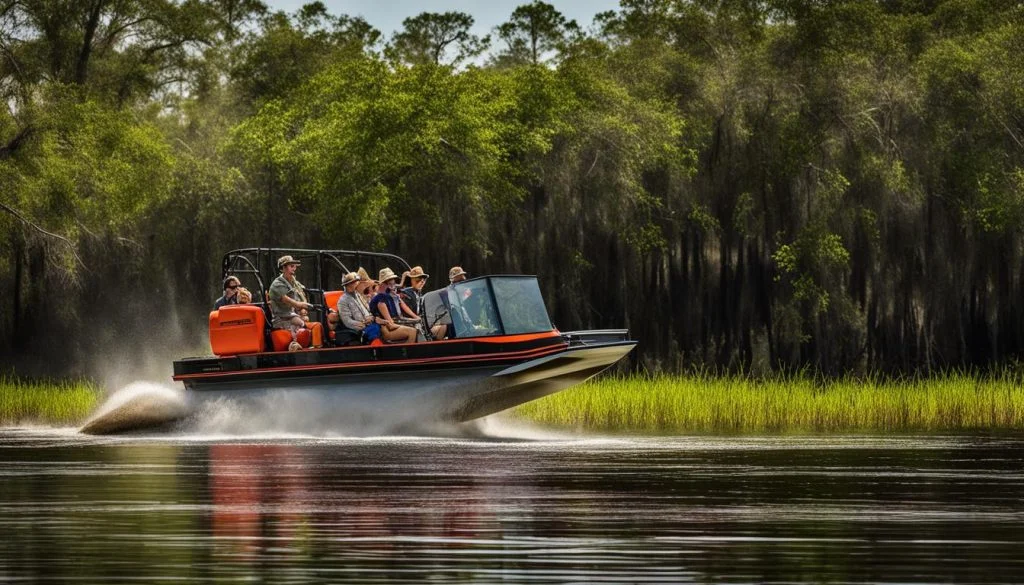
(282, 288)
(353, 313)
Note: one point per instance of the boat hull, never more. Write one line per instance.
(396, 400)
(334, 391)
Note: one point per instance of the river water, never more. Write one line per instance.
(510, 510)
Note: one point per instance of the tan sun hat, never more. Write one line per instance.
(456, 271)
(284, 260)
(364, 279)
(417, 272)
(350, 278)
(385, 275)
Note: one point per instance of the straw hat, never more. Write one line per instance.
(285, 260)
(417, 272)
(350, 278)
(385, 275)
(364, 280)
(456, 271)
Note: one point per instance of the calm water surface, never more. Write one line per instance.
(649, 510)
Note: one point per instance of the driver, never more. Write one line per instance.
(459, 316)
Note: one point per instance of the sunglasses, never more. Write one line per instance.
(233, 286)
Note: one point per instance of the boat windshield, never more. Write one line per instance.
(493, 305)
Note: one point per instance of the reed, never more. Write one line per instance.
(61, 402)
(703, 403)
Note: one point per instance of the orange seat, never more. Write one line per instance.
(282, 338)
(236, 329)
(331, 299)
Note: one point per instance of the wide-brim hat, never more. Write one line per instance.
(456, 271)
(350, 278)
(417, 272)
(285, 260)
(385, 275)
(364, 279)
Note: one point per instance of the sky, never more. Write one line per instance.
(387, 15)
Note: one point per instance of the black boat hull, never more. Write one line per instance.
(331, 391)
(396, 399)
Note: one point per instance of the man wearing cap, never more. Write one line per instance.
(353, 314)
(286, 298)
(460, 319)
(456, 274)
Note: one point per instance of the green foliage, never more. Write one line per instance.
(352, 141)
(787, 182)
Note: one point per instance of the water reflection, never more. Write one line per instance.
(310, 502)
(643, 510)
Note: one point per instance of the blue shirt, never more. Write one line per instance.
(389, 301)
(223, 301)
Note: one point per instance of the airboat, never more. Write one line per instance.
(504, 351)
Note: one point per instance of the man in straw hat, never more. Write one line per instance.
(286, 299)
(387, 307)
(353, 314)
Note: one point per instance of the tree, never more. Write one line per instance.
(533, 32)
(286, 51)
(438, 38)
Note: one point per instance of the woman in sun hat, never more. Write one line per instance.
(414, 296)
(366, 287)
(386, 307)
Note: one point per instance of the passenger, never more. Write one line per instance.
(285, 302)
(366, 288)
(456, 274)
(352, 312)
(232, 293)
(414, 297)
(386, 306)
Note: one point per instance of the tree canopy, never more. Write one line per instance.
(750, 185)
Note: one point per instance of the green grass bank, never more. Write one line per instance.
(46, 402)
(737, 404)
(682, 404)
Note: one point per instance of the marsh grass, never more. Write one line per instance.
(27, 401)
(739, 404)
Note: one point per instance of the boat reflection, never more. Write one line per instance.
(283, 501)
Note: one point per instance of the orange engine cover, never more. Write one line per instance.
(236, 329)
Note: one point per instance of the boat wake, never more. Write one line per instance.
(139, 405)
(297, 412)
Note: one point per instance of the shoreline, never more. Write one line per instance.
(703, 404)
(693, 404)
